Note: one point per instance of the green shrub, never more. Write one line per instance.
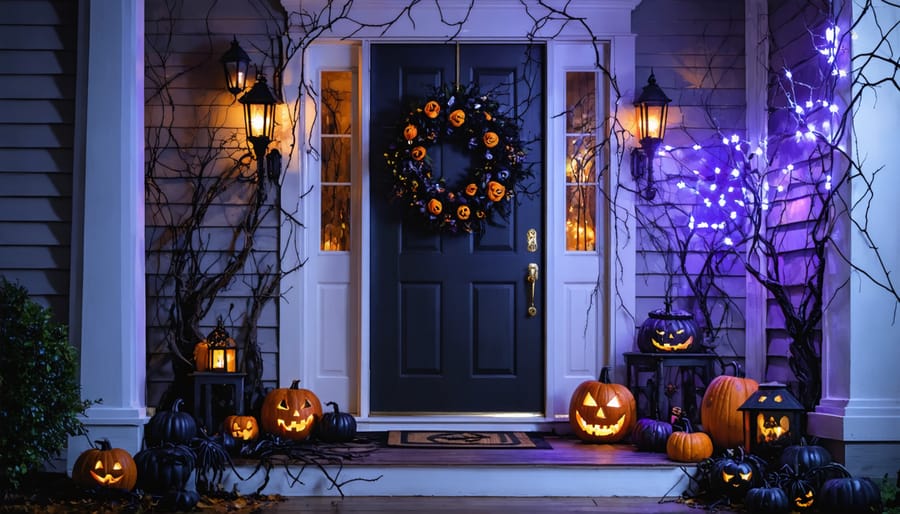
(40, 395)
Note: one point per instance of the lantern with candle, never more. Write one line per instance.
(222, 350)
(771, 420)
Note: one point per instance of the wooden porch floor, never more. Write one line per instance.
(570, 468)
(478, 505)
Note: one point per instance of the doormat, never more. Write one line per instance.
(476, 440)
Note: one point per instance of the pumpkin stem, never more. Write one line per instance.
(604, 375)
(176, 405)
(295, 384)
(335, 406)
(104, 444)
(738, 370)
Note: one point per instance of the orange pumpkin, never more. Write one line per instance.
(719, 412)
(290, 412)
(108, 467)
(601, 412)
(471, 189)
(689, 446)
(241, 427)
(491, 139)
(432, 109)
(463, 212)
(495, 191)
(410, 132)
(418, 153)
(201, 356)
(435, 207)
(457, 118)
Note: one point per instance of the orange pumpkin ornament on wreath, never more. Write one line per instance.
(473, 124)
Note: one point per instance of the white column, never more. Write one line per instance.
(860, 407)
(113, 362)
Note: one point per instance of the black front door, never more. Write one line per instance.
(450, 332)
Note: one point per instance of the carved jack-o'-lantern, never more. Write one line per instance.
(601, 412)
(410, 132)
(418, 153)
(457, 118)
(435, 207)
(463, 212)
(495, 191)
(432, 109)
(242, 428)
(734, 474)
(471, 189)
(491, 139)
(107, 467)
(290, 412)
(667, 331)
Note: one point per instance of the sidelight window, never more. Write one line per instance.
(581, 158)
(336, 142)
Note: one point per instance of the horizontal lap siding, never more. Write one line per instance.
(696, 51)
(37, 112)
(196, 128)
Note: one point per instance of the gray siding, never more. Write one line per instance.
(37, 113)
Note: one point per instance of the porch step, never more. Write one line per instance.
(570, 468)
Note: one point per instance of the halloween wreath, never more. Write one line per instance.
(472, 122)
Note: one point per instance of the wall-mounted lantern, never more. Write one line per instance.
(652, 108)
(771, 420)
(259, 116)
(236, 63)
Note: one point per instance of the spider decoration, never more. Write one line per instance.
(294, 457)
(802, 485)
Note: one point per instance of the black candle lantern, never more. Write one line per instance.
(771, 420)
(222, 350)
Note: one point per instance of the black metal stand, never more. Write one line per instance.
(694, 372)
(203, 383)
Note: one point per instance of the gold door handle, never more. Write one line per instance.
(532, 279)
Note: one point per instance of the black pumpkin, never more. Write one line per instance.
(735, 473)
(850, 495)
(650, 435)
(336, 426)
(767, 500)
(668, 331)
(804, 457)
(171, 426)
(179, 501)
(164, 468)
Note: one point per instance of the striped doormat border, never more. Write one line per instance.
(474, 440)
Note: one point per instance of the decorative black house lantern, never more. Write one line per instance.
(771, 420)
(222, 350)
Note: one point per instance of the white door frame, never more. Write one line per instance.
(585, 307)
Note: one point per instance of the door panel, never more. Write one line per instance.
(449, 330)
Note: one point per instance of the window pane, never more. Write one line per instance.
(580, 158)
(581, 102)
(581, 214)
(335, 159)
(336, 218)
(337, 104)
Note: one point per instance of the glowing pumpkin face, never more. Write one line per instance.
(735, 476)
(432, 109)
(457, 118)
(805, 500)
(290, 413)
(435, 207)
(418, 153)
(601, 412)
(471, 189)
(410, 132)
(490, 139)
(668, 331)
(463, 212)
(242, 428)
(107, 467)
(769, 430)
(495, 191)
